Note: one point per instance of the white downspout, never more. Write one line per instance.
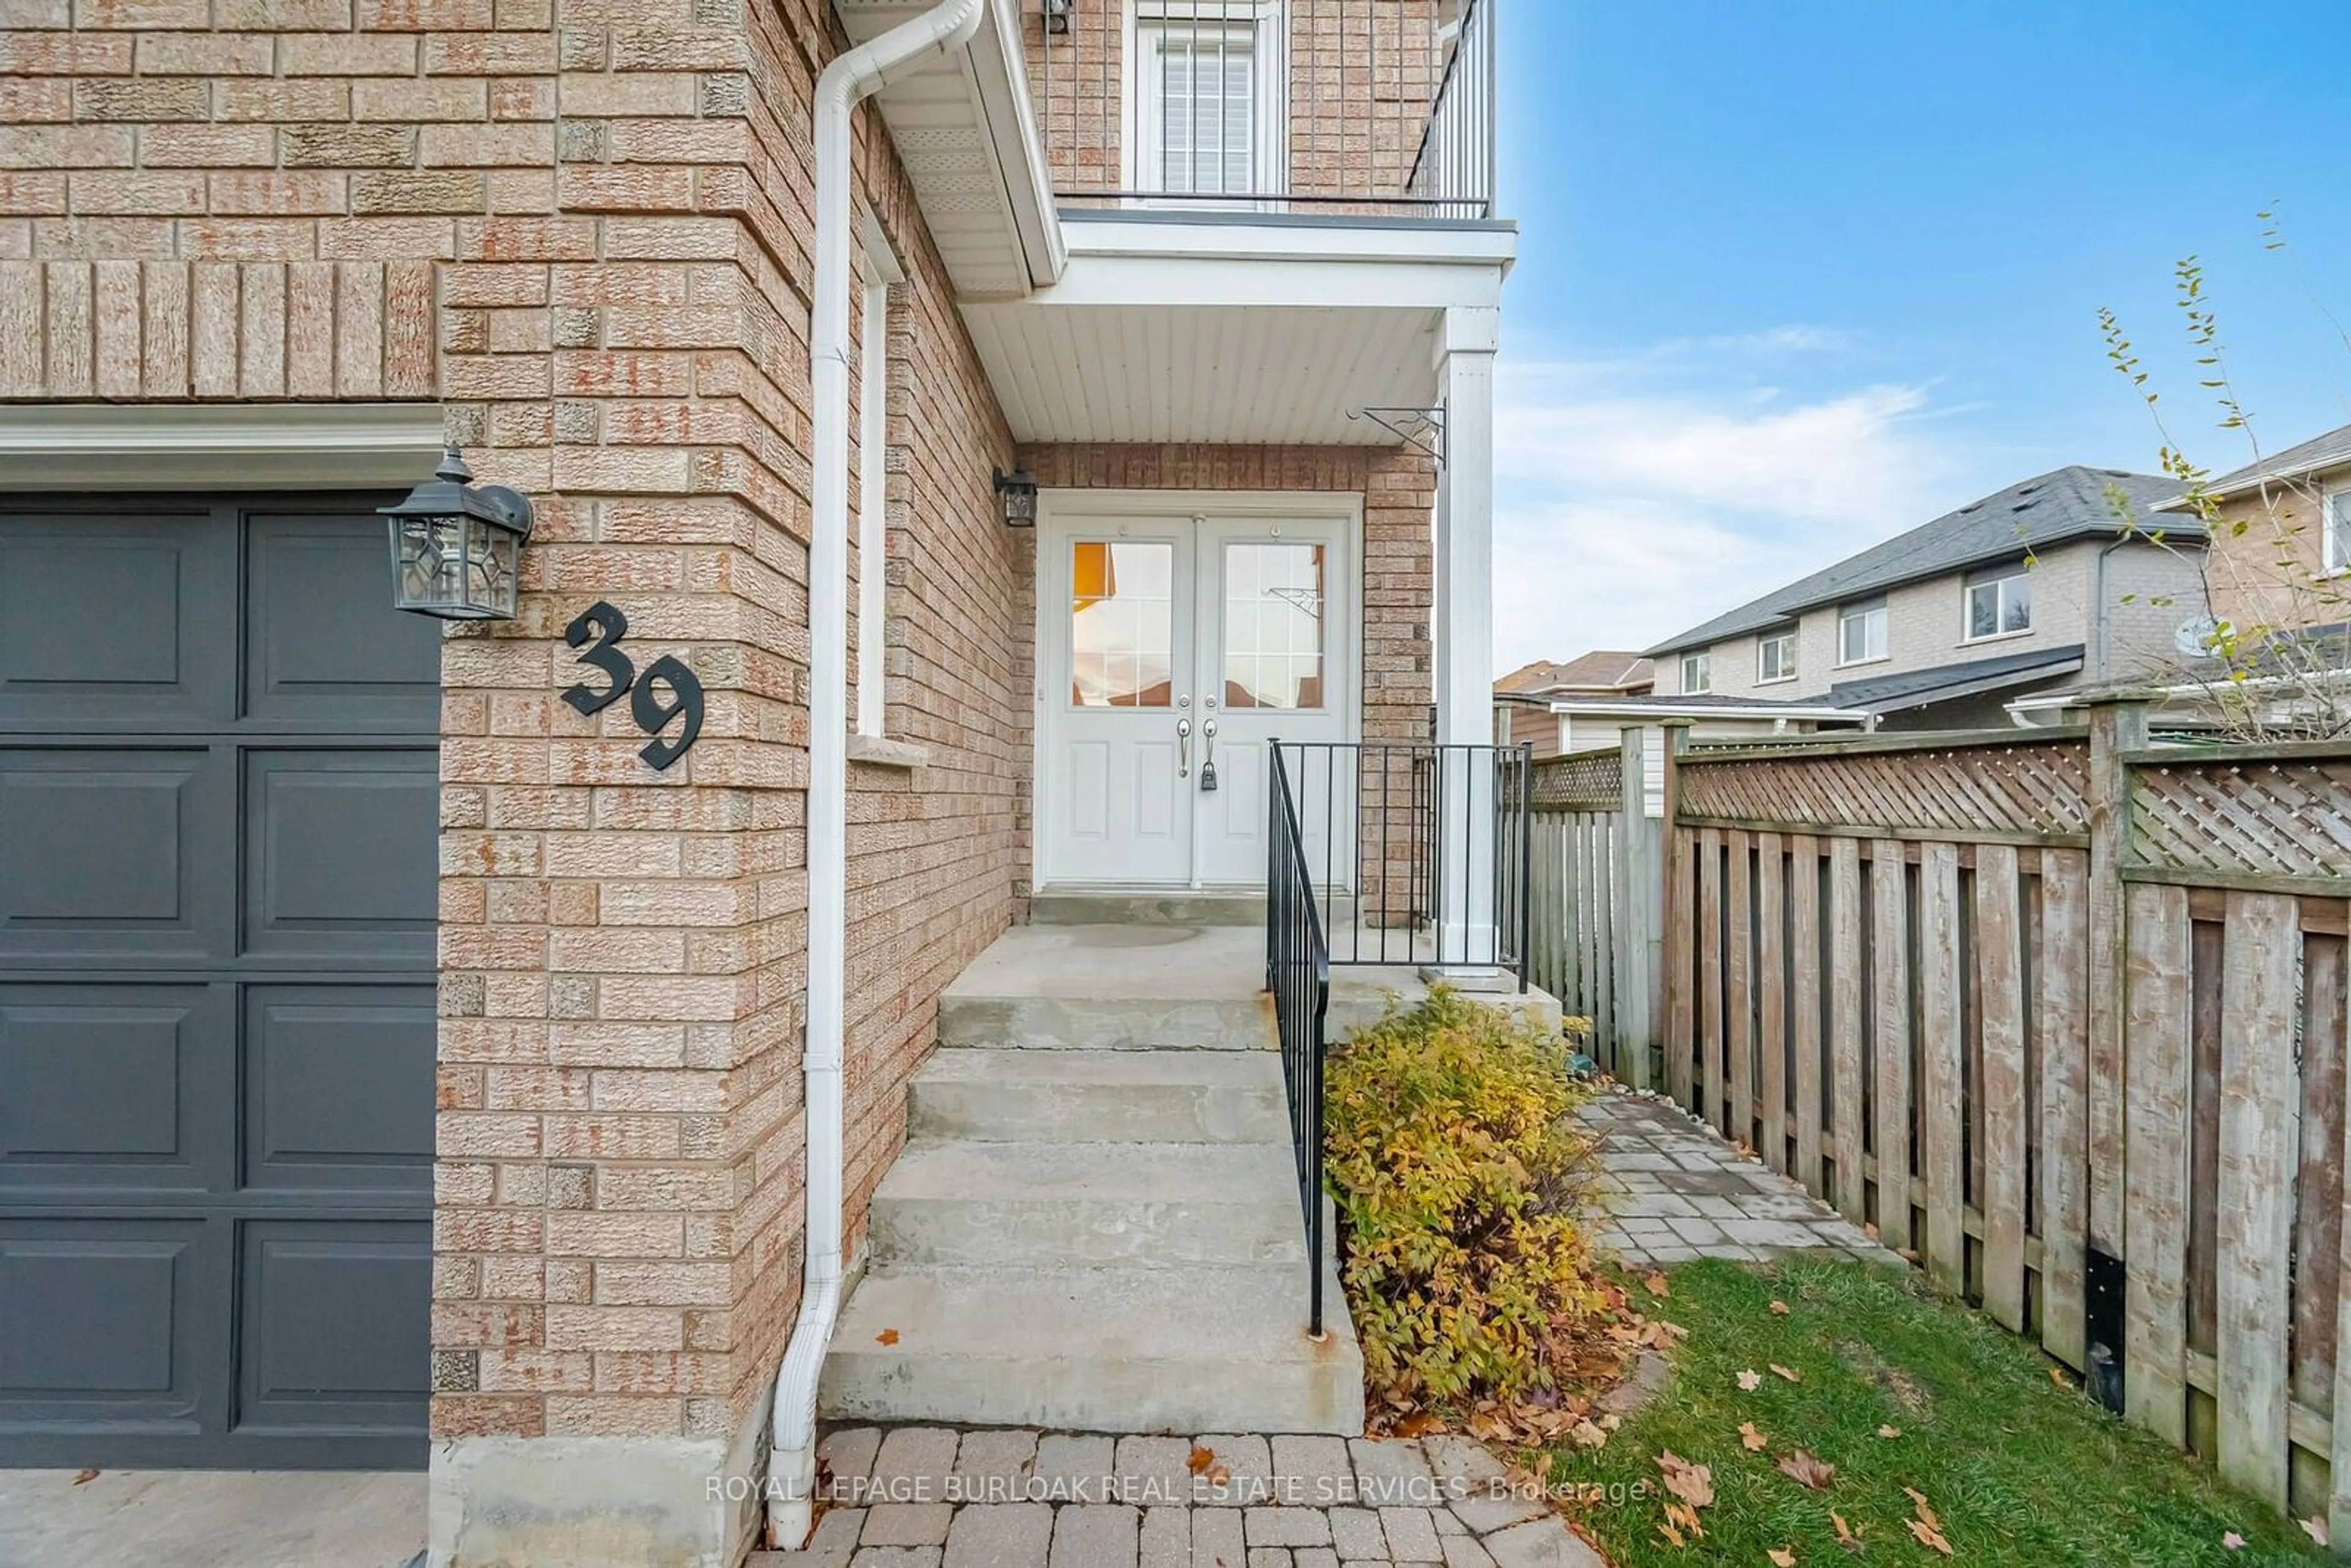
(848, 80)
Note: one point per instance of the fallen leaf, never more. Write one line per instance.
(1779, 1309)
(85, 1476)
(2057, 1377)
(2313, 1527)
(1870, 1230)
(1587, 1435)
(1219, 1477)
(1805, 1470)
(1781, 1557)
(1694, 1484)
(1419, 1424)
(1656, 1285)
(887, 1336)
(1751, 1381)
(1919, 1501)
(1786, 1372)
(2233, 1541)
(1663, 1528)
(1200, 1459)
(1928, 1535)
(1844, 1531)
(1750, 1438)
(1889, 1431)
(1681, 1515)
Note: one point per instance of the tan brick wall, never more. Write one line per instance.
(582, 226)
(2270, 575)
(1359, 82)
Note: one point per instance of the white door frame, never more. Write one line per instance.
(1057, 508)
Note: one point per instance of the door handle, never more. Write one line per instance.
(1183, 748)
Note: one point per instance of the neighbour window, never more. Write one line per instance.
(1775, 658)
(1861, 632)
(1999, 603)
(1203, 99)
(1698, 673)
(2338, 531)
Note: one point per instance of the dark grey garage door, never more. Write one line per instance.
(217, 838)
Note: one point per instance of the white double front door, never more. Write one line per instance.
(1173, 647)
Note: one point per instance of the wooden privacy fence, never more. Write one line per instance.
(2066, 1015)
(1594, 886)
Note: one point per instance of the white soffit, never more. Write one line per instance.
(964, 131)
(1213, 373)
(1222, 329)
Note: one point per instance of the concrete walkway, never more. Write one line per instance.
(927, 1497)
(1677, 1191)
(211, 1518)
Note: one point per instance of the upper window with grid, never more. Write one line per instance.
(1204, 98)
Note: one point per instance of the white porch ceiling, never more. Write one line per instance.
(1155, 372)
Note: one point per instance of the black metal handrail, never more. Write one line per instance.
(1395, 837)
(1298, 973)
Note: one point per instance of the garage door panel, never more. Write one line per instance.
(338, 856)
(105, 1325)
(219, 827)
(336, 1326)
(324, 648)
(339, 1086)
(107, 620)
(104, 854)
(121, 1087)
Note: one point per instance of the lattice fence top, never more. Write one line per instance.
(2245, 815)
(1586, 781)
(2001, 790)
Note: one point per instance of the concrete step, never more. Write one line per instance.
(1150, 1206)
(1113, 988)
(1147, 906)
(1097, 1096)
(1103, 1350)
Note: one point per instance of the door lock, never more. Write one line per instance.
(1208, 757)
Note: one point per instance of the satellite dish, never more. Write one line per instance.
(2199, 638)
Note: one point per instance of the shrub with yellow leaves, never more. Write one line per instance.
(1460, 1176)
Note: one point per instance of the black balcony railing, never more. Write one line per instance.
(1333, 106)
(1417, 853)
(1298, 973)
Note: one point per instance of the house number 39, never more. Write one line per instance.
(597, 632)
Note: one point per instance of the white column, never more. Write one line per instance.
(1463, 631)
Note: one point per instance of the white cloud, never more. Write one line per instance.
(1634, 502)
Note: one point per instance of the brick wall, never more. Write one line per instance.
(2270, 576)
(580, 226)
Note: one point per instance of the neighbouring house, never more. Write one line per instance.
(1523, 699)
(2036, 588)
(418, 1040)
(2289, 569)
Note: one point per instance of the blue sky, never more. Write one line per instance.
(1797, 275)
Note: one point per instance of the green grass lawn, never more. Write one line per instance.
(2019, 1470)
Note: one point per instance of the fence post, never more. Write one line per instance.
(1676, 974)
(2117, 726)
(1635, 872)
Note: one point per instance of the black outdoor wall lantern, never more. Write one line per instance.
(1018, 492)
(455, 545)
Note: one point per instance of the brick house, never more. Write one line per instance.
(2279, 559)
(396, 1065)
(2036, 589)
